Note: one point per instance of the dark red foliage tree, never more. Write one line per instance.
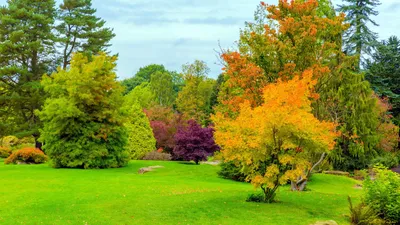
(164, 134)
(194, 142)
(164, 123)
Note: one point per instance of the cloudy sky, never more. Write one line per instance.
(175, 32)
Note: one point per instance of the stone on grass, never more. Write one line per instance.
(148, 169)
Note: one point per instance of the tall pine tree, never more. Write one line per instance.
(383, 72)
(359, 39)
(26, 47)
(80, 30)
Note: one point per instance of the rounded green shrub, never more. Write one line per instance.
(140, 136)
(83, 120)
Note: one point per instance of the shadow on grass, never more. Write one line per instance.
(188, 163)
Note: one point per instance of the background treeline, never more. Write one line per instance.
(79, 105)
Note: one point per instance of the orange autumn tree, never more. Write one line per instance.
(293, 37)
(270, 142)
(389, 132)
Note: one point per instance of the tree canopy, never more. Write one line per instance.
(80, 30)
(82, 117)
(269, 140)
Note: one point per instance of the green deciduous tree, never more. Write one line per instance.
(162, 86)
(80, 30)
(83, 119)
(26, 50)
(140, 134)
(216, 90)
(143, 75)
(141, 94)
(195, 98)
(359, 39)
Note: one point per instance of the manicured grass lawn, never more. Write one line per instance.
(176, 194)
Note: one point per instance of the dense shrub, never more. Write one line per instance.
(194, 142)
(26, 141)
(383, 194)
(140, 134)
(230, 171)
(5, 152)
(27, 155)
(9, 141)
(83, 120)
(14, 143)
(363, 214)
(388, 160)
(155, 155)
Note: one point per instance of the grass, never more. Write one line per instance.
(177, 194)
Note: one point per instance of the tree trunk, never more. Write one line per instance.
(301, 182)
(359, 42)
(269, 193)
(38, 144)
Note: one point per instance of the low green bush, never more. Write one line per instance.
(382, 193)
(230, 171)
(255, 197)
(27, 155)
(155, 155)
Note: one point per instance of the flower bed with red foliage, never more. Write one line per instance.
(4, 152)
(27, 155)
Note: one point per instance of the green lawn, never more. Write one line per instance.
(176, 194)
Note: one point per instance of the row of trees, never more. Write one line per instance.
(88, 123)
(288, 96)
(190, 92)
(78, 110)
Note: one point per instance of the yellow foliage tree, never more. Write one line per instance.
(270, 142)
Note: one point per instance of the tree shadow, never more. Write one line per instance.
(188, 163)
